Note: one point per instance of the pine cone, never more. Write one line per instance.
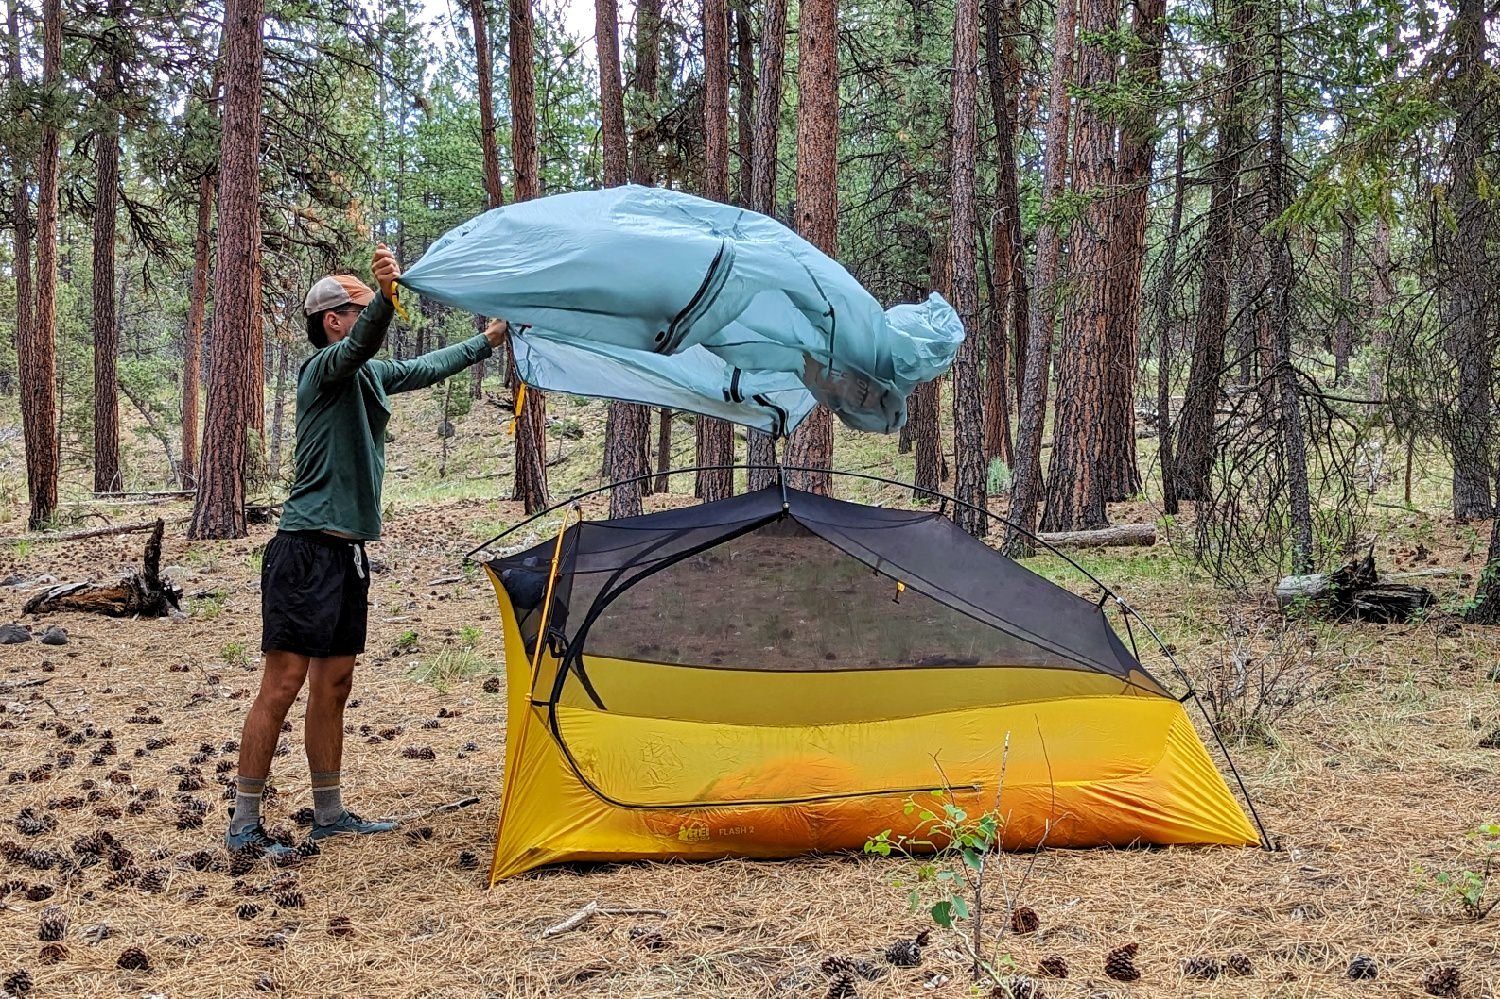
(52, 923)
(1120, 964)
(833, 967)
(39, 893)
(418, 753)
(248, 910)
(191, 782)
(290, 899)
(1025, 920)
(40, 860)
(11, 850)
(69, 804)
(419, 834)
(904, 953)
(1441, 980)
(241, 862)
(1202, 968)
(1017, 987)
(265, 983)
(203, 861)
(32, 823)
(1053, 966)
(842, 987)
(340, 926)
(303, 816)
(308, 848)
(153, 882)
(1362, 968)
(52, 953)
(108, 811)
(1239, 964)
(18, 983)
(648, 937)
(468, 861)
(133, 959)
(492, 685)
(124, 876)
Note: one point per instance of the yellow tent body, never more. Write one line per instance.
(779, 674)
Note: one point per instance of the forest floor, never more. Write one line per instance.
(1370, 780)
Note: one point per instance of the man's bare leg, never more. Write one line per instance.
(280, 682)
(329, 683)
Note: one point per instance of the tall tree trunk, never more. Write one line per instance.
(20, 203)
(1166, 285)
(626, 448)
(1343, 327)
(1121, 471)
(1075, 479)
(968, 399)
(744, 64)
(715, 438)
(1195, 436)
(663, 451)
(1279, 195)
(767, 131)
(925, 417)
(1027, 485)
(1462, 259)
(107, 477)
(1009, 296)
(817, 215)
(531, 427)
(278, 407)
(38, 360)
(219, 509)
(192, 346)
(1382, 290)
(488, 143)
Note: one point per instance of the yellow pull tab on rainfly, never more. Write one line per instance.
(520, 404)
(396, 304)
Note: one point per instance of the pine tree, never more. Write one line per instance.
(38, 351)
(715, 438)
(219, 508)
(817, 219)
(968, 400)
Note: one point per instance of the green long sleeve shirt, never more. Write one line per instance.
(343, 406)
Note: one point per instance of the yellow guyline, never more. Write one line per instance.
(541, 637)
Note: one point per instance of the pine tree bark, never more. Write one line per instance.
(626, 449)
(715, 438)
(1121, 471)
(1195, 437)
(488, 142)
(1027, 485)
(1009, 303)
(761, 447)
(39, 355)
(1466, 308)
(744, 113)
(531, 427)
(107, 477)
(219, 507)
(20, 204)
(192, 345)
(968, 399)
(817, 214)
(1075, 480)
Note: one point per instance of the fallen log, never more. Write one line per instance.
(1119, 536)
(94, 532)
(1357, 592)
(138, 593)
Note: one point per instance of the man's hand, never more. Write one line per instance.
(497, 332)
(386, 270)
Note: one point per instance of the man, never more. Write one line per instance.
(315, 577)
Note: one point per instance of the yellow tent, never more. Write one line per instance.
(779, 673)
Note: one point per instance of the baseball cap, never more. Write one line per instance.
(336, 290)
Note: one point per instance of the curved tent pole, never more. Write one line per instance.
(1109, 594)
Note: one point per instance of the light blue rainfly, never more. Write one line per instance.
(658, 297)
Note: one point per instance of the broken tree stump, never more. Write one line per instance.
(1356, 592)
(1119, 536)
(138, 593)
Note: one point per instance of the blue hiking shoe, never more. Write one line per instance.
(255, 842)
(349, 824)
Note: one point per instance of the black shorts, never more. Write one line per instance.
(314, 595)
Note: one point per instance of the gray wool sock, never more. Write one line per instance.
(328, 803)
(247, 794)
